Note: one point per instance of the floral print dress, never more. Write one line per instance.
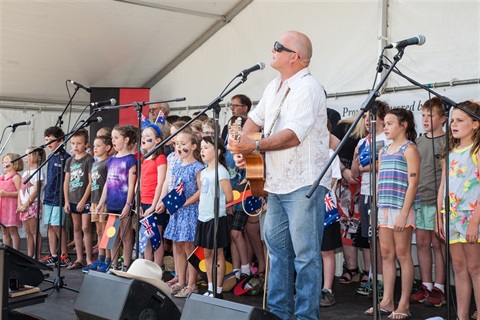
(464, 191)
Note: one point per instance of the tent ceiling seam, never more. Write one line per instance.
(174, 9)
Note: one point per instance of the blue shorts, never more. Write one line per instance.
(51, 215)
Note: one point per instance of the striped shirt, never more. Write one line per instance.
(393, 179)
(304, 112)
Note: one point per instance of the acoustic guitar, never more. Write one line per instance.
(255, 165)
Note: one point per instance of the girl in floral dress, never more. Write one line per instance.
(464, 214)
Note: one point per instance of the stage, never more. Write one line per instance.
(350, 305)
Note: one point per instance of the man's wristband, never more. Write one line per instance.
(257, 147)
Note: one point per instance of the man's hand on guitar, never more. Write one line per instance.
(244, 145)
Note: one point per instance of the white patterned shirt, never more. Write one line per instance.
(304, 112)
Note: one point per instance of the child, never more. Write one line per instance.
(208, 128)
(332, 240)
(464, 213)
(204, 235)
(102, 146)
(366, 284)
(398, 199)
(51, 201)
(9, 185)
(154, 171)
(236, 217)
(196, 127)
(27, 200)
(182, 224)
(117, 195)
(168, 185)
(77, 187)
(430, 148)
(106, 131)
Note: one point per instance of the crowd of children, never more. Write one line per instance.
(409, 184)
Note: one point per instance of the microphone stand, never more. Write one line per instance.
(8, 139)
(138, 108)
(215, 106)
(366, 106)
(60, 121)
(448, 105)
(60, 150)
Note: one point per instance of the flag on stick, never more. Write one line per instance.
(150, 230)
(111, 232)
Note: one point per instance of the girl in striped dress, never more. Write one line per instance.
(398, 199)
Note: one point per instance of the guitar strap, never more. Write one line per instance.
(280, 108)
(278, 113)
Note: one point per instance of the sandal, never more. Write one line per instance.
(383, 312)
(176, 288)
(474, 315)
(364, 278)
(173, 281)
(350, 275)
(399, 315)
(185, 292)
(75, 265)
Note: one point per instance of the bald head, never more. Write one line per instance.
(301, 44)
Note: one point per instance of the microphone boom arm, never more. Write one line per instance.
(135, 104)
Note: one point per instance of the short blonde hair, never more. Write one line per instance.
(17, 165)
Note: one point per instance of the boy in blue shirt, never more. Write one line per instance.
(51, 201)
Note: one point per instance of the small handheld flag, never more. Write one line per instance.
(150, 230)
(111, 232)
(243, 193)
(175, 199)
(160, 118)
(331, 212)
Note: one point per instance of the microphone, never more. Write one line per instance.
(109, 102)
(97, 119)
(18, 124)
(246, 72)
(80, 86)
(417, 40)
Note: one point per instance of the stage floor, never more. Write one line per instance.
(59, 304)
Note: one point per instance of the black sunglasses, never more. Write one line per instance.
(277, 46)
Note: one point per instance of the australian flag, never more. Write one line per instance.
(331, 211)
(175, 199)
(160, 119)
(149, 230)
(145, 122)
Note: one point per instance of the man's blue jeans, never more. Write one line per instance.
(293, 234)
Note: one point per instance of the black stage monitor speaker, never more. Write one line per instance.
(17, 265)
(198, 307)
(17, 269)
(105, 296)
